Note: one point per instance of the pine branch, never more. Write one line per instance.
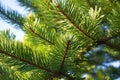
(106, 39)
(7, 71)
(26, 3)
(58, 72)
(11, 15)
(89, 3)
(40, 35)
(68, 76)
(25, 61)
(112, 46)
(65, 54)
(112, 1)
(73, 23)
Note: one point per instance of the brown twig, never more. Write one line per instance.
(40, 35)
(73, 23)
(64, 56)
(25, 61)
(106, 39)
(113, 46)
(35, 65)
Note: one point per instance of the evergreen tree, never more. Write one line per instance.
(64, 40)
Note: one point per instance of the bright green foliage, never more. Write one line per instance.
(64, 39)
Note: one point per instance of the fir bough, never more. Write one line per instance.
(64, 39)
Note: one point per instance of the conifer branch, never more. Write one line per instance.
(56, 74)
(112, 46)
(25, 61)
(26, 3)
(111, 1)
(40, 36)
(89, 3)
(68, 76)
(73, 23)
(105, 39)
(65, 54)
(11, 15)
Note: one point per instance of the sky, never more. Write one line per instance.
(13, 4)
